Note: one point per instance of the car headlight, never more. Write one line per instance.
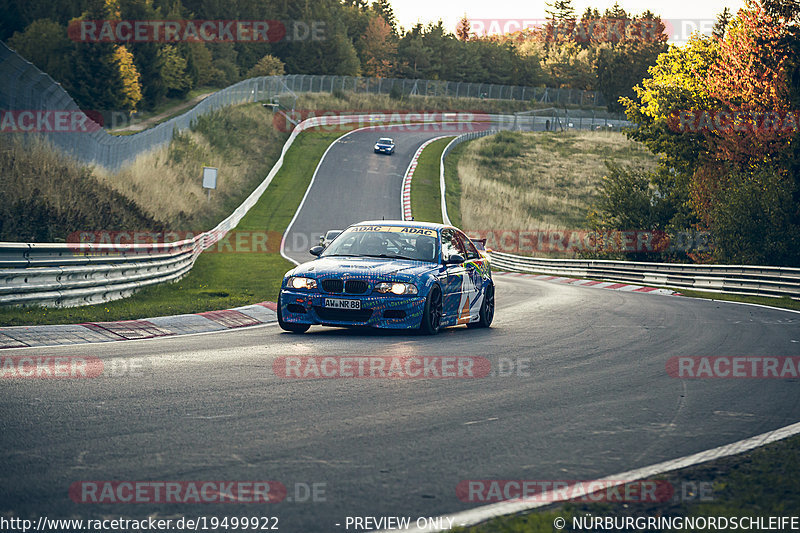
(396, 288)
(297, 282)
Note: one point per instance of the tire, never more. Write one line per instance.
(287, 326)
(487, 310)
(431, 322)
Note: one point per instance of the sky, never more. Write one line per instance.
(685, 15)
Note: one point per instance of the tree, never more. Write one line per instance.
(45, 44)
(384, 9)
(463, 28)
(723, 19)
(131, 88)
(95, 77)
(267, 66)
(740, 182)
(615, 12)
(173, 72)
(415, 57)
(559, 10)
(379, 48)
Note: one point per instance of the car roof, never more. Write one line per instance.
(386, 139)
(406, 223)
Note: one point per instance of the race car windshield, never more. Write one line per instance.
(385, 141)
(393, 244)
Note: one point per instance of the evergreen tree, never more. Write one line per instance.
(384, 9)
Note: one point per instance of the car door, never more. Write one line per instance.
(456, 275)
(472, 286)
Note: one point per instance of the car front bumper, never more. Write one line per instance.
(391, 312)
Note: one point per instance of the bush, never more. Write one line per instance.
(755, 220)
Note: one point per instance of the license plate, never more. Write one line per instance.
(334, 303)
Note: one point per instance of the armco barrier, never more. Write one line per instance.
(72, 274)
(66, 274)
(23, 87)
(735, 279)
(754, 280)
(447, 149)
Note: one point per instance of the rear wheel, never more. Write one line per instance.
(288, 326)
(487, 310)
(432, 316)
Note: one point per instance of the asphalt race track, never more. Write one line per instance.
(355, 184)
(583, 393)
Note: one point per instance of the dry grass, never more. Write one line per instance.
(46, 195)
(383, 102)
(167, 183)
(524, 181)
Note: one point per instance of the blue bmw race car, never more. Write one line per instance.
(390, 274)
(384, 145)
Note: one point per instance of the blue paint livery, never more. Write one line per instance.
(463, 285)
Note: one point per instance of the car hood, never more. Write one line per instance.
(363, 266)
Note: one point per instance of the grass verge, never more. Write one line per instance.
(539, 180)
(759, 483)
(783, 302)
(218, 280)
(426, 203)
(452, 183)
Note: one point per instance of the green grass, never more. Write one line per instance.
(452, 184)
(783, 302)
(426, 203)
(759, 483)
(218, 280)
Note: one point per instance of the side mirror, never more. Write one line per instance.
(316, 250)
(454, 259)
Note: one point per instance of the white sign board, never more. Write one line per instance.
(209, 178)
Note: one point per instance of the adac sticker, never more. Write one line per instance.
(395, 229)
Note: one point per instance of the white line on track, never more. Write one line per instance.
(487, 512)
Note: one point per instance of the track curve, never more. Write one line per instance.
(589, 397)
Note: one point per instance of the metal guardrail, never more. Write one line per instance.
(447, 149)
(72, 274)
(23, 87)
(735, 279)
(453, 89)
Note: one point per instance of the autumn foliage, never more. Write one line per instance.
(736, 166)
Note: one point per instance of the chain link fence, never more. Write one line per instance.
(454, 89)
(25, 88)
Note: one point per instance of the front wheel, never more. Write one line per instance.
(487, 310)
(288, 326)
(432, 316)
